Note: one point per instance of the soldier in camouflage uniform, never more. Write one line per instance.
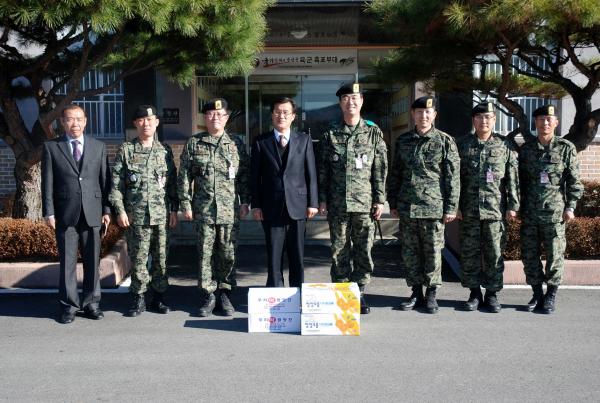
(144, 195)
(216, 165)
(489, 190)
(550, 188)
(423, 191)
(352, 172)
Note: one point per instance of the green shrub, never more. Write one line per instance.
(582, 233)
(589, 205)
(25, 240)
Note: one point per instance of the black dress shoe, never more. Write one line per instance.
(66, 317)
(93, 313)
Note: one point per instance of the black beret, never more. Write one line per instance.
(354, 88)
(423, 102)
(546, 110)
(483, 107)
(144, 111)
(214, 104)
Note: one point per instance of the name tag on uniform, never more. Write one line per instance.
(358, 163)
(231, 172)
(489, 176)
(544, 179)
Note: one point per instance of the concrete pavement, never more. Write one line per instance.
(400, 356)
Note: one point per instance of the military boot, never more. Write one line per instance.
(431, 304)
(415, 300)
(364, 308)
(550, 299)
(139, 306)
(208, 305)
(537, 301)
(225, 304)
(491, 302)
(158, 304)
(474, 299)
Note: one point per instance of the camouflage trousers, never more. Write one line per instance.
(421, 243)
(481, 246)
(216, 256)
(552, 236)
(352, 236)
(145, 241)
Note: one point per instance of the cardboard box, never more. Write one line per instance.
(330, 324)
(274, 323)
(273, 300)
(340, 298)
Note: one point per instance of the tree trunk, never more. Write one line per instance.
(585, 125)
(28, 196)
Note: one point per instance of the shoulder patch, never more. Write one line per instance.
(369, 122)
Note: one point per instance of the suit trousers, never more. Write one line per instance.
(285, 236)
(68, 240)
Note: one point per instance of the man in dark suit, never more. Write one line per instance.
(284, 192)
(75, 188)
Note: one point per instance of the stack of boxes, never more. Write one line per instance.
(274, 310)
(330, 309)
(327, 309)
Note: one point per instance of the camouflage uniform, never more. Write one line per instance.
(423, 185)
(352, 171)
(550, 183)
(145, 188)
(218, 168)
(489, 186)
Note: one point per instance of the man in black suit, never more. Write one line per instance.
(284, 192)
(75, 188)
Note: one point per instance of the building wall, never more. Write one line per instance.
(589, 162)
(7, 165)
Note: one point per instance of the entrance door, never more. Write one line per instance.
(317, 105)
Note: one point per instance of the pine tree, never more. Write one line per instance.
(541, 46)
(58, 41)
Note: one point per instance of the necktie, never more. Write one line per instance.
(76, 150)
(282, 141)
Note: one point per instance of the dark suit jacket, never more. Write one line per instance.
(66, 190)
(272, 185)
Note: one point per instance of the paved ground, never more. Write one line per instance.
(400, 356)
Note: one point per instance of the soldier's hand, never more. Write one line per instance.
(311, 212)
(447, 218)
(257, 214)
(394, 213)
(377, 210)
(323, 208)
(187, 215)
(123, 220)
(173, 219)
(244, 210)
(459, 215)
(568, 215)
(511, 215)
(51, 222)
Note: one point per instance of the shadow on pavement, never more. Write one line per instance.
(213, 323)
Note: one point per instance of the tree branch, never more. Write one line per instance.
(583, 69)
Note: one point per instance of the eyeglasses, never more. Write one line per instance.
(216, 115)
(71, 120)
(484, 117)
(283, 113)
